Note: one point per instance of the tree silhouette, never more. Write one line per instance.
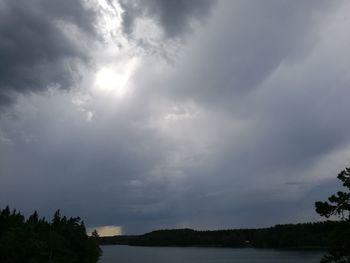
(95, 234)
(36, 240)
(338, 205)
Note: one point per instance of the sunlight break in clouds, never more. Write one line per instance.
(114, 80)
(105, 231)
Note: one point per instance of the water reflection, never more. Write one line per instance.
(127, 254)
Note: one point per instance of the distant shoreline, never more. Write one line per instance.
(305, 236)
(201, 246)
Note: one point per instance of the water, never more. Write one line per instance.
(126, 254)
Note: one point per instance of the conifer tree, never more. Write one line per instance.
(36, 240)
(338, 205)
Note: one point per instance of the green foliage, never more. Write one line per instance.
(36, 240)
(338, 205)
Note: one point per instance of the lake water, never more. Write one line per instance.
(127, 254)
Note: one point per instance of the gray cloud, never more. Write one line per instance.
(174, 17)
(244, 43)
(246, 67)
(35, 50)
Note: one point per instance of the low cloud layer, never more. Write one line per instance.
(242, 127)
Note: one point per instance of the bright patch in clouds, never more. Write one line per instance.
(114, 80)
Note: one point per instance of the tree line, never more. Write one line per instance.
(307, 235)
(37, 240)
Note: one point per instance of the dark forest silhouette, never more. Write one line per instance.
(308, 235)
(338, 205)
(35, 240)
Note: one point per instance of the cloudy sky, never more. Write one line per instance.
(148, 114)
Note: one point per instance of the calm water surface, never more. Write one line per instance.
(126, 254)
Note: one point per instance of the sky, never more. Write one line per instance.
(149, 114)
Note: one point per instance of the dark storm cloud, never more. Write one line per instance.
(173, 16)
(35, 52)
(245, 128)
